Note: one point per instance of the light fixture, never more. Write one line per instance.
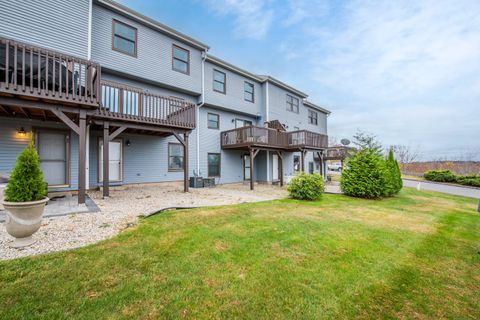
(22, 133)
(128, 143)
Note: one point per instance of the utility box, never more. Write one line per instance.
(209, 182)
(196, 182)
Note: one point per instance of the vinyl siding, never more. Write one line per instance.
(11, 145)
(278, 111)
(231, 160)
(144, 161)
(234, 98)
(60, 25)
(154, 53)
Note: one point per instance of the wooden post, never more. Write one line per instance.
(251, 169)
(185, 162)
(82, 153)
(280, 156)
(106, 160)
(302, 160)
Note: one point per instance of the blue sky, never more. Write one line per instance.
(406, 71)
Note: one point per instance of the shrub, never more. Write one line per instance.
(440, 176)
(365, 175)
(26, 181)
(306, 186)
(470, 180)
(394, 178)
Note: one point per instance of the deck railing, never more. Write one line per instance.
(46, 74)
(124, 101)
(267, 137)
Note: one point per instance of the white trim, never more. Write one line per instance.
(268, 166)
(267, 103)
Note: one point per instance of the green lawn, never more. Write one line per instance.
(413, 256)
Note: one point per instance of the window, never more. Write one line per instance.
(248, 91)
(242, 123)
(296, 163)
(213, 121)
(124, 38)
(214, 164)
(175, 157)
(219, 81)
(312, 117)
(310, 167)
(292, 104)
(180, 59)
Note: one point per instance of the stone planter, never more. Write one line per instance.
(23, 219)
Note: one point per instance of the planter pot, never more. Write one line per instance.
(23, 219)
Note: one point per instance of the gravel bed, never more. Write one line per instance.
(121, 211)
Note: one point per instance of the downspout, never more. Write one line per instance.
(89, 36)
(202, 102)
(267, 109)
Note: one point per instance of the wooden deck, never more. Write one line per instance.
(33, 73)
(261, 137)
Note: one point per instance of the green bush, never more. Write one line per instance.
(440, 176)
(306, 186)
(394, 178)
(470, 180)
(26, 181)
(365, 175)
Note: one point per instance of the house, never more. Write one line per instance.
(76, 73)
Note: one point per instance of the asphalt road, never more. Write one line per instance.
(445, 188)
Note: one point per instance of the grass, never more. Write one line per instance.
(412, 256)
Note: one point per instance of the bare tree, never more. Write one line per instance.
(332, 141)
(405, 154)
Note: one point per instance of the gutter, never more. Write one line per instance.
(89, 35)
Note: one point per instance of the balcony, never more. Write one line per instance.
(40, 74)
(123, 102)
(253, 136)
(37, 74)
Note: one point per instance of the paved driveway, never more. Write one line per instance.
(445, 188)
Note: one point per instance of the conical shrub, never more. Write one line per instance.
(26, 180)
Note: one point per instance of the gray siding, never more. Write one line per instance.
(60, 25)
(278, 111)
(154, 53)
(234, 98)
(144, 160)
(11, 145)
(231, 160)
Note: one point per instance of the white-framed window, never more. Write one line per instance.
(312, 117)
(180, 59)
(248, 91)
(292, 103)
(219, 81)
(175, 157)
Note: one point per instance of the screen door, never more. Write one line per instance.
(52, 149)
(115, 160)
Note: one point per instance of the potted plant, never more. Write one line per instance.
(25, 198)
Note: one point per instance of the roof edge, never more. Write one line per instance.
(284, 86)
(315, 106)
(231, 67)
(120, 8)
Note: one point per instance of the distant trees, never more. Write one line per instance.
(405, 154)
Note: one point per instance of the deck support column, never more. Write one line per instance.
(252, 178)
(302, 160)
(185, 162)
(280, 157)
(82, 154)
(253, 154)
(106, 160)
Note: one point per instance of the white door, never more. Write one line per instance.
(275, 167)
(114, 159)
(246, 167)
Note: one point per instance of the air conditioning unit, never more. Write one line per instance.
(196, 182)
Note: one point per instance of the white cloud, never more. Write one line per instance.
(252, 18)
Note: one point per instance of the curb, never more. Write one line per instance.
(443, 184)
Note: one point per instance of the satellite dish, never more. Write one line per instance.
(345, 142)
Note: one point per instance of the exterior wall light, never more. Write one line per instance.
(128, 143)
(22, 133)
